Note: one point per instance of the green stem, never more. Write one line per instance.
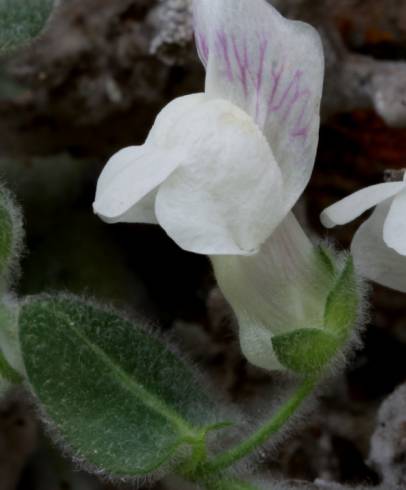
(199, 456)
(257, 439)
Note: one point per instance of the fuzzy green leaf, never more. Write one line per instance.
(21, 20)
(342, 303)
(305, 351)
(121, 400)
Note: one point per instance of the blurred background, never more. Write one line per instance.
(92, 84)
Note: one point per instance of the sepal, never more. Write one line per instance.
(308, 351)
(281, 289)
(343, 302)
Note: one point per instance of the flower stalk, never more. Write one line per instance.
(262, 435)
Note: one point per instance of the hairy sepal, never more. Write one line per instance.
(305, 350)
(343, 302)
(308, 351)
(122, 402)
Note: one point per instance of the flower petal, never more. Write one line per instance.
(273, 69)
(125, 190)
(394, 231)
(127, 187)
(227, 198)
(162, 133)
(353, 206)
(373, 258)
(280, 289)
(115, 165)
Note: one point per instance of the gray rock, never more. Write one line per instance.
(388, 443)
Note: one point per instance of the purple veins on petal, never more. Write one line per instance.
(276, 74)
(292, 96)
(297, 93)
(299, 130)
(260, 74)
(222, 45)
(284, 98)
(243, 64)
(263, 46)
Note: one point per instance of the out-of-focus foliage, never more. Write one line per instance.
(11, 236)
(21, 20)
(9, 88)
(10, 249)
(8, 226)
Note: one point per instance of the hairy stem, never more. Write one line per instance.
(284, 413)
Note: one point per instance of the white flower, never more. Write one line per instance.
(379, 246)
(282, 289)
(221, 171)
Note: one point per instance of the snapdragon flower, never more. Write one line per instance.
(379, 245)
(221, 171)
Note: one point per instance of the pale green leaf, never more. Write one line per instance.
(121, 400)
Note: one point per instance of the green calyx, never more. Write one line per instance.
(305, 351)
(342, 303)
(308, 351)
